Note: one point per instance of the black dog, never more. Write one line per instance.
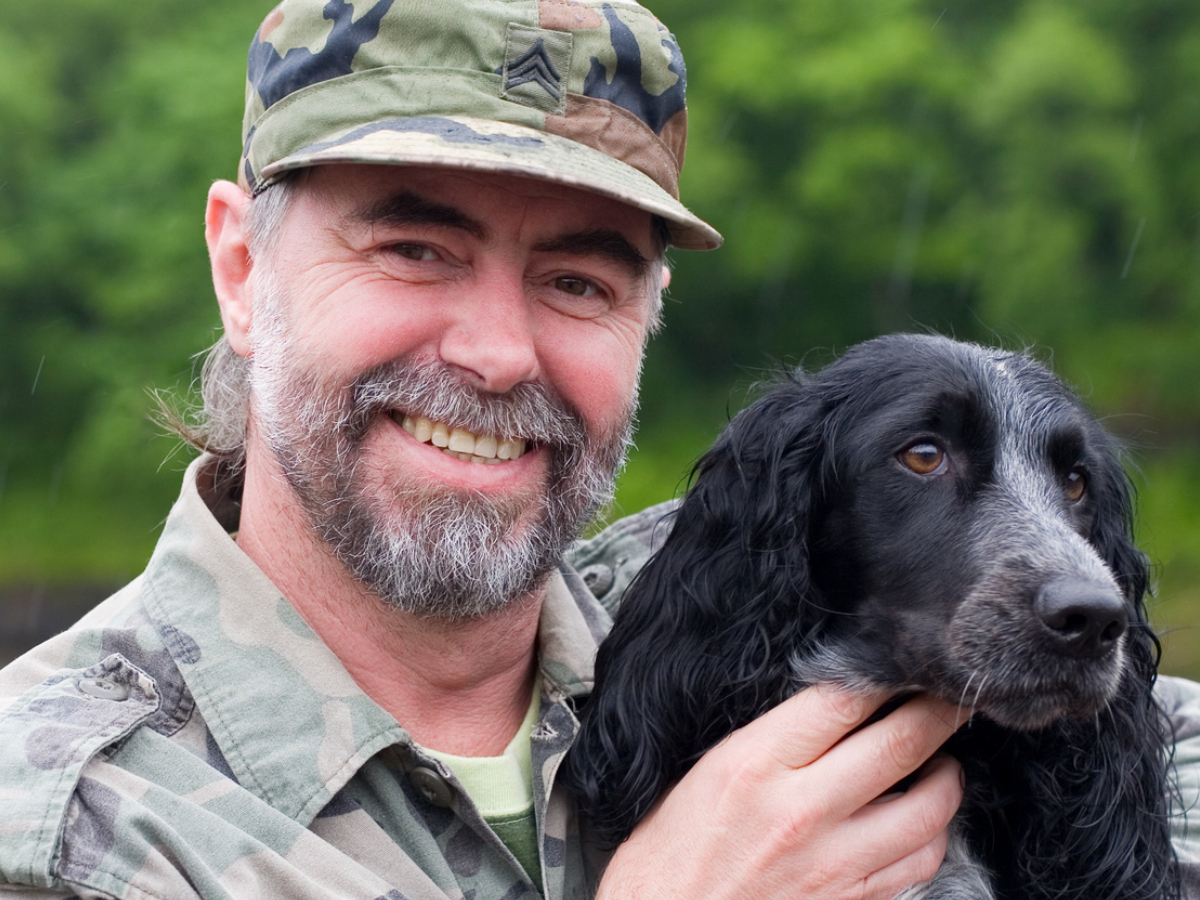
(922, 515)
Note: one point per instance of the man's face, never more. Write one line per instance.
(402, 310)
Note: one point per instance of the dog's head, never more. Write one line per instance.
(971, 533)
(920, 515)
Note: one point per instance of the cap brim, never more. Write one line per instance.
(463, 142)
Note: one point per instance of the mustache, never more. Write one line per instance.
(529, 410)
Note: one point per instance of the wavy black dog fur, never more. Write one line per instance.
(922, 515)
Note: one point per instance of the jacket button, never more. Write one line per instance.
(103, 689)
(432, 786)
(598, 578)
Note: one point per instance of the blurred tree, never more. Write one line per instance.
(992, 170)
(1021, 172)
(113, 123)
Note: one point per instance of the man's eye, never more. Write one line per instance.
(416, 252)
(578, 287)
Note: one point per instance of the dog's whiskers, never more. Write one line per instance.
(962, 697)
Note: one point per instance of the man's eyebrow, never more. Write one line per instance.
(408, 208)
(604, 242)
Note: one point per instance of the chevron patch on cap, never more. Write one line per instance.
(535, 62)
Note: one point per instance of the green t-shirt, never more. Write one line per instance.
(502, 788)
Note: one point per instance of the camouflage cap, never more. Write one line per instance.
(586, 93)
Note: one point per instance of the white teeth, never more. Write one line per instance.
(462, 444)
(486, 446)
(510, 448)
(423, 430)
(461, 441)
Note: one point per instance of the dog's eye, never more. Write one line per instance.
(924, 459)
(1076, 484)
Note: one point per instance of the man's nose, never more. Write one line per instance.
(493, 338)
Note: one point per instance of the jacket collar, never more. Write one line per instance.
(288, 718)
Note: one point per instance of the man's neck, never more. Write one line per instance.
(462, 687)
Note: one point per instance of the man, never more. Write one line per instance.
(436, 279)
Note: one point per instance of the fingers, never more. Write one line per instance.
(918, 866)
(873, 759)
(799, 733)
(790, 802)
(803, 728)
(893, 843)
(903, 836)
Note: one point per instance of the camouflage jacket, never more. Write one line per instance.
(191, 737)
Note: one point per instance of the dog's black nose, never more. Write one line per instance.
(1084, 618)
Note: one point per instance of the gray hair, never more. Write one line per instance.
(218, 425)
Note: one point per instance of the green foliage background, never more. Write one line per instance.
(1023, 172)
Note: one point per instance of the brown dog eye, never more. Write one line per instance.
(1076, 485)
(924, 459)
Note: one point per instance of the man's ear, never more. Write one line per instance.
(666, 278)
(225, 222)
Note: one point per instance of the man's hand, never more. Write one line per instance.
(794, 805)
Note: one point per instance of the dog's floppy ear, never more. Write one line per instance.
(700, 642)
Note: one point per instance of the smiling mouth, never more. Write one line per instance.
(487, 449)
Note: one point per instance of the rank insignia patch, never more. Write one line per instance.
(535, 62)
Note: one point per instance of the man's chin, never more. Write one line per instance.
(451, 556)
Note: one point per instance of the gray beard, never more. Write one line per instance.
(433, 553)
